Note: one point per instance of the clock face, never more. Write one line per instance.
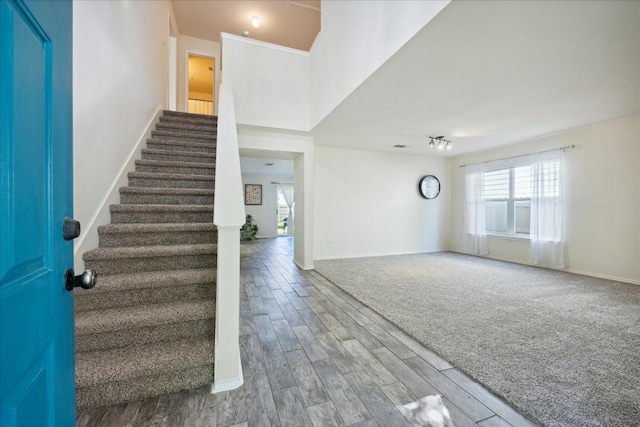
(429, 187)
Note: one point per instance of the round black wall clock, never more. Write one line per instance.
(429, 187)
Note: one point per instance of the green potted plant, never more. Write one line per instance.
(249, 230)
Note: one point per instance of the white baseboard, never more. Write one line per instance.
(567, 270)
(303, 266)
(89, 237)
(603, 276)
(229, 383)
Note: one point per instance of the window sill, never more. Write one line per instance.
(509, 237)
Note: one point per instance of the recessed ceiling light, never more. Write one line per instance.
(255, 22)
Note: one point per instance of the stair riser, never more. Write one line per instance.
(165, 199)
(181, 148)
(128, 298)
(143, 336)
(195, 125)
(176, 169)
(161, 263)
(184, 137)
(171, 183)
(195, 129)
(144, 387)
(112, 240)
(160, 217)
(174, 116)
(176, 156)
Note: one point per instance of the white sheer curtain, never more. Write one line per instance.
(546, 210)
(287, 194)
(475, 229)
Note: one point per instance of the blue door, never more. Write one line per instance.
(36, 312)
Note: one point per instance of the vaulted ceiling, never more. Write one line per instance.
(481, 73)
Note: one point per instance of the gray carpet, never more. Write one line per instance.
(562, 348)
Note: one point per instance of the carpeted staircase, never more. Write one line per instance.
(147, 328)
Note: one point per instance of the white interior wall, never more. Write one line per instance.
(265, 215)
(367, 204)
(270, 83)
(190, 45)
(120, 79)
(356, 38)
(602, 199)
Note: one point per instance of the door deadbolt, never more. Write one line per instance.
(70, 229)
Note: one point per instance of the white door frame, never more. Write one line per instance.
(188, 53)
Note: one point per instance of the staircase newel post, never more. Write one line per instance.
(227, 366)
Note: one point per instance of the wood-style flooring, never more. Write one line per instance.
(312, 355)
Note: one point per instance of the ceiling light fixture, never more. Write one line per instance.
(255, 22)
(440, 142)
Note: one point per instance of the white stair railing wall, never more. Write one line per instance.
(229, 217)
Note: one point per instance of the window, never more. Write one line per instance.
(507, 195)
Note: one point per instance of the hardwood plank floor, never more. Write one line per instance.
(313, 355)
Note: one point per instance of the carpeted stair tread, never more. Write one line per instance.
(188, 127)
(147, 234)
(181, 146)
(207, 168)
(160, 208)
(98, 367)
(166, 196)
(186, 116)
(171, 176)
(154, 279)
(117, 319)
(171, 180)
(138, 336)
(151, 287)
(165, 213)
(182, 136)
(167, 191)
(193, 156)
(139, 388)
(148, 251)
(194, 119)
(154, 228)
(161, 191)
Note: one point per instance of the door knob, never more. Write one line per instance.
(70, 229)
(86, 280)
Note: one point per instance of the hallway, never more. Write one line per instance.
(313, 355)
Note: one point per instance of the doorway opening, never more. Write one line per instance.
(173, 58)
(201, 72)
(286, 204)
